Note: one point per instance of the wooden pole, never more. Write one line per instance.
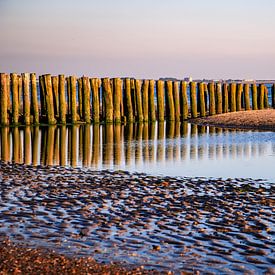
(108, 100)
(80, 97)
(176, 95)
(225, 97)
(95, 86)
(20, 99)
(152, 108)
(15, 101)
(62, 99)
(247, 96)
(212, 103)
(55, 95)
(134, 98)
(139, 100)
(239, 97)
(117, 99)
(254, 97)
(273, 95)
(26, 98)
(201, 100)
(86, 99)
(4, 99)
(42, 96)
(160, 100)
(266, 103)
(184, 100)
(170, 108)
(73, 98)
(219, 98)
(261, 97)
(193, 99)
(34, 99)
(128, 99)
(49, 99)
(145, 104)
(69, 95)
(9, 94)
(233, 97)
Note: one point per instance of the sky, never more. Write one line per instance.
(210, 39)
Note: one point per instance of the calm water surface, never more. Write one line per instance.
(159, 149)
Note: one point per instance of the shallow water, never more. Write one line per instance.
(158, 149)
(178, 224)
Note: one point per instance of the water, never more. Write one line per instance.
(205, 217)
(158, 149)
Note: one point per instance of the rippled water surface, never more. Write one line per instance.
(165, 149)
(221, 224)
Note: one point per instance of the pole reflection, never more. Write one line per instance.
(130, 145)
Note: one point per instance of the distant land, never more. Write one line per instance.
(189, 79)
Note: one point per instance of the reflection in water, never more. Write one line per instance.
(177, 149)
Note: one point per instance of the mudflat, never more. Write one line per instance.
(256, 119)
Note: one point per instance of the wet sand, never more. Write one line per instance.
(18, 259)
(258, 120)
(161, 223)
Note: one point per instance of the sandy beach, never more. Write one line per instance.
(257, 120)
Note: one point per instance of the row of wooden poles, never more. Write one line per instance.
(60, 99)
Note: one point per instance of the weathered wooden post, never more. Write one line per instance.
(266, 103)
(232, 97)
(80, 97)
(193, 99)
(62, 99)
(202, 100)
(219, 98)
(128, 99)
(26, 98)
(176, 95)
(4, 99)
(261, 97)
(247, 96)
(254, 97)
(20, 99)
(42, 90)
(212, 103)
(273, 95)
(134, 98)
(152, 108)
(95, 85)
(139, 100)
(239, 97)
(49, 99)
(55, 95)
(9, 92)
(108, 100)
(34, 99)
(225, 97)
(160, 100)
(73, 112)
(170, 108)
(117, 99)
(86, 99)
(184, 100)
(69, 95)
(206, 96)
(15, 101)
(145, 96)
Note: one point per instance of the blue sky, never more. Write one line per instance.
(140, 38)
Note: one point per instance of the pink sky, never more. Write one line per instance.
(140, 38)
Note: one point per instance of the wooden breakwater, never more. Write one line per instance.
(27, 99)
